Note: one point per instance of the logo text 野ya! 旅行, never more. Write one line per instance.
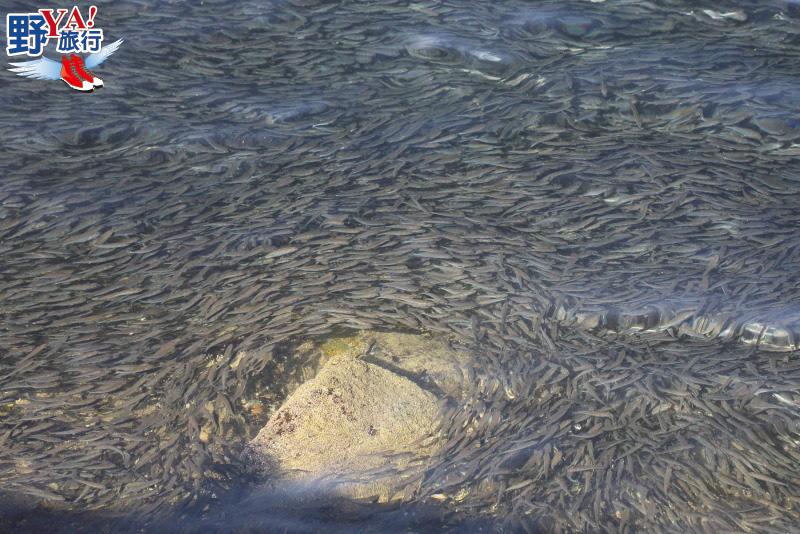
(29, 34)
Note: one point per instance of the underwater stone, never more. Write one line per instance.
(367, 424)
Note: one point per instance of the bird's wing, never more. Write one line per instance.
(40, 69)
(93, 60)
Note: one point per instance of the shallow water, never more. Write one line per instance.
(599, 198)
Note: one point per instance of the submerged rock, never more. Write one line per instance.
(431, 362)
(366, 425)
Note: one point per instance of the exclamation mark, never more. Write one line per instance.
(92, 13)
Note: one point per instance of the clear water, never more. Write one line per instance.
(598, 197)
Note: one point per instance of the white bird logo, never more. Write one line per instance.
(73, 69)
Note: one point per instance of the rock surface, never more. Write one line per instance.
(366, 424)
(428, 361)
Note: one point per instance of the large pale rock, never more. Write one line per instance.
(367, 423)
(427, 360)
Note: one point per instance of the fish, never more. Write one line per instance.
(598, 205)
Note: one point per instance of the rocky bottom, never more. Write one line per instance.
(367, 424)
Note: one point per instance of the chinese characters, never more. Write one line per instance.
(29, 33)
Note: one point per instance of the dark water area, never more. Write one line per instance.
(599, 198)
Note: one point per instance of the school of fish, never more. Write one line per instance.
(597, 198)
